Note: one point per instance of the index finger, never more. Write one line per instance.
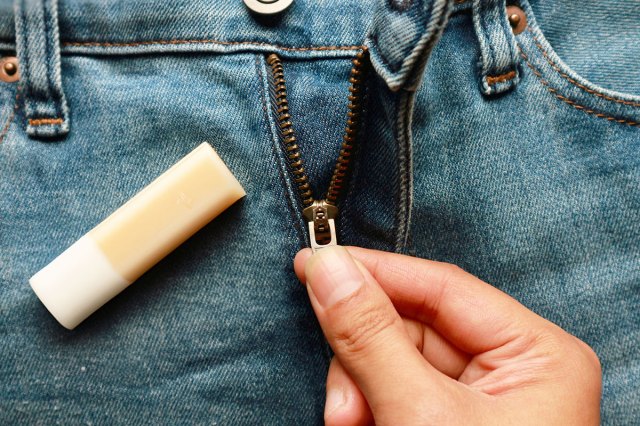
(468, 312)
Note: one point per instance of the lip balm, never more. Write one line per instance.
(136, 236)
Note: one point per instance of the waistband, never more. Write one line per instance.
(328, 27)
(306, 24)
(400, 35)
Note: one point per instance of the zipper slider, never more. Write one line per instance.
(320, 217)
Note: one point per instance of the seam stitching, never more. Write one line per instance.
(205, 41)
(50, 61)
(574, 82)
(574, 104)
(491, 79)
(24, 64)
(5, 130)
(45, 121)
(404, 171)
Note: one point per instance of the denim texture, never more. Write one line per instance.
(498, 51)
(535, 189)
(37, 40)
(598, 39)
(401, 38)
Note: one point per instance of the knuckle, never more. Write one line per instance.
(454, 270)
(359, 331)
(579, 358)
(591, 357)
(551, 341)
(452, 273)
(587, 369)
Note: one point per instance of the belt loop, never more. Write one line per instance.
(38, 49)
(498, 49)
(402, 36)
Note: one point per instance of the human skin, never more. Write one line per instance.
(424, 342)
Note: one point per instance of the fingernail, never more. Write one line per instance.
(332, 275)
(336, 399)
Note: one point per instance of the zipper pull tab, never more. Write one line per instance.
(322, 226)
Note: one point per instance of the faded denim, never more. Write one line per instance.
(514, 157)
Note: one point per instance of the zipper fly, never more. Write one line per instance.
(320, 214)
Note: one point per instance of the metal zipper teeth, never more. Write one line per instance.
(354, 120)
(285, 130)
(349, 140)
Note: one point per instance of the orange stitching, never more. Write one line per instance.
(574, 104)
(499, 78)
(205, 41)
(5, 130)
(575, 83)
(45, 121)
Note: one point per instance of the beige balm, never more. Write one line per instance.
(135, 237)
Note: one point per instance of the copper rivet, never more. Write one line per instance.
(9, 69)
(514, 20)
(517, 19)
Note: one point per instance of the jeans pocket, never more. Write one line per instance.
(566, 85)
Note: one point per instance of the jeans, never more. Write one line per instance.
(479, 147)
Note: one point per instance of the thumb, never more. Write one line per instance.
(366, 333)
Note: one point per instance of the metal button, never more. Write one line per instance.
(517, 19)
(9, 69)
(267, 7)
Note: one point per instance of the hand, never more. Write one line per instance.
(423, 342)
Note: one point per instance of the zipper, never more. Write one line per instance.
(320, 214)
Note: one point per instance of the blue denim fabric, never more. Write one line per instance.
(598, 39)
(37, 38)
(401, 38)
(535, 190)
(498, 51)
